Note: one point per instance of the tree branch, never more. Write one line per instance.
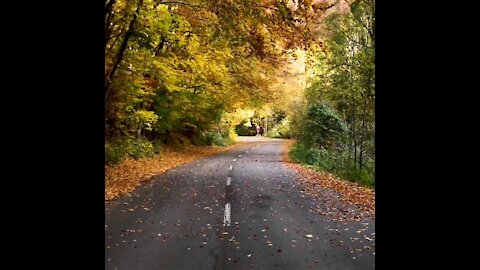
(180, 3)
(114, 42)
(360, 21)
(327, 7)
(262, 6)
(123, 47)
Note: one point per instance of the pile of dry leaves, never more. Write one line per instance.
(126, 176)
(319, 183)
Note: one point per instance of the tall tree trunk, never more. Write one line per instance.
(354, 133)
(108, 19)
(160, 46)
(363, 131)
(349, 151)
(108, 7)
(139, 132)
(121, 52)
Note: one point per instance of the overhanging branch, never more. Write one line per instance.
(180, 3)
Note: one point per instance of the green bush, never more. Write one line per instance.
(211, 138)
(323, 127)
(243, 129)
(364, 176)
(328, 160)
(321, 159)
(214, 137)
(324, 160)
(114, 154)
(118, 150)
(157, 146)
(303, 154)
(140, 148)
(282, 130)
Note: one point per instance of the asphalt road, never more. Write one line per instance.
(242, 209)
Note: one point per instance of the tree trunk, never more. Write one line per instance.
(113, 43)
(354, 134)
(160, 46)
(266, 126)
(363, 131)
(108, 19)
(122, 50)
(139, 132)
(108, 7)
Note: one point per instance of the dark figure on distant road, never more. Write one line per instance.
(261, 130)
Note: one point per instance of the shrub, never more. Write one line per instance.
(323, 127)
(140, 148)
(245, 129)
(217, 137)
(157, 146)
(328, 160)
(118, 150)
(282, 130)
(364, 176)
(303, 154)
(115, 153)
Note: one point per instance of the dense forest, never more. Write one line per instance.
(202, 72)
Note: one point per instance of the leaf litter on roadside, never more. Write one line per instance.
(337, 195)
(128, 175)
(339, 200)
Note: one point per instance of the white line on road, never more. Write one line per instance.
(231, 167)
(234, 159)
(226, 216)
(228, 181)
(239, 155)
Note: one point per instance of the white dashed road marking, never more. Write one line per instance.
(226, 216)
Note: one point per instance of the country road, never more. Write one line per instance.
(243, 209)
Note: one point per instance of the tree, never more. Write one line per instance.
(342, 75)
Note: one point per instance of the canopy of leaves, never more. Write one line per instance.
(178, 67)
(188, 71)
